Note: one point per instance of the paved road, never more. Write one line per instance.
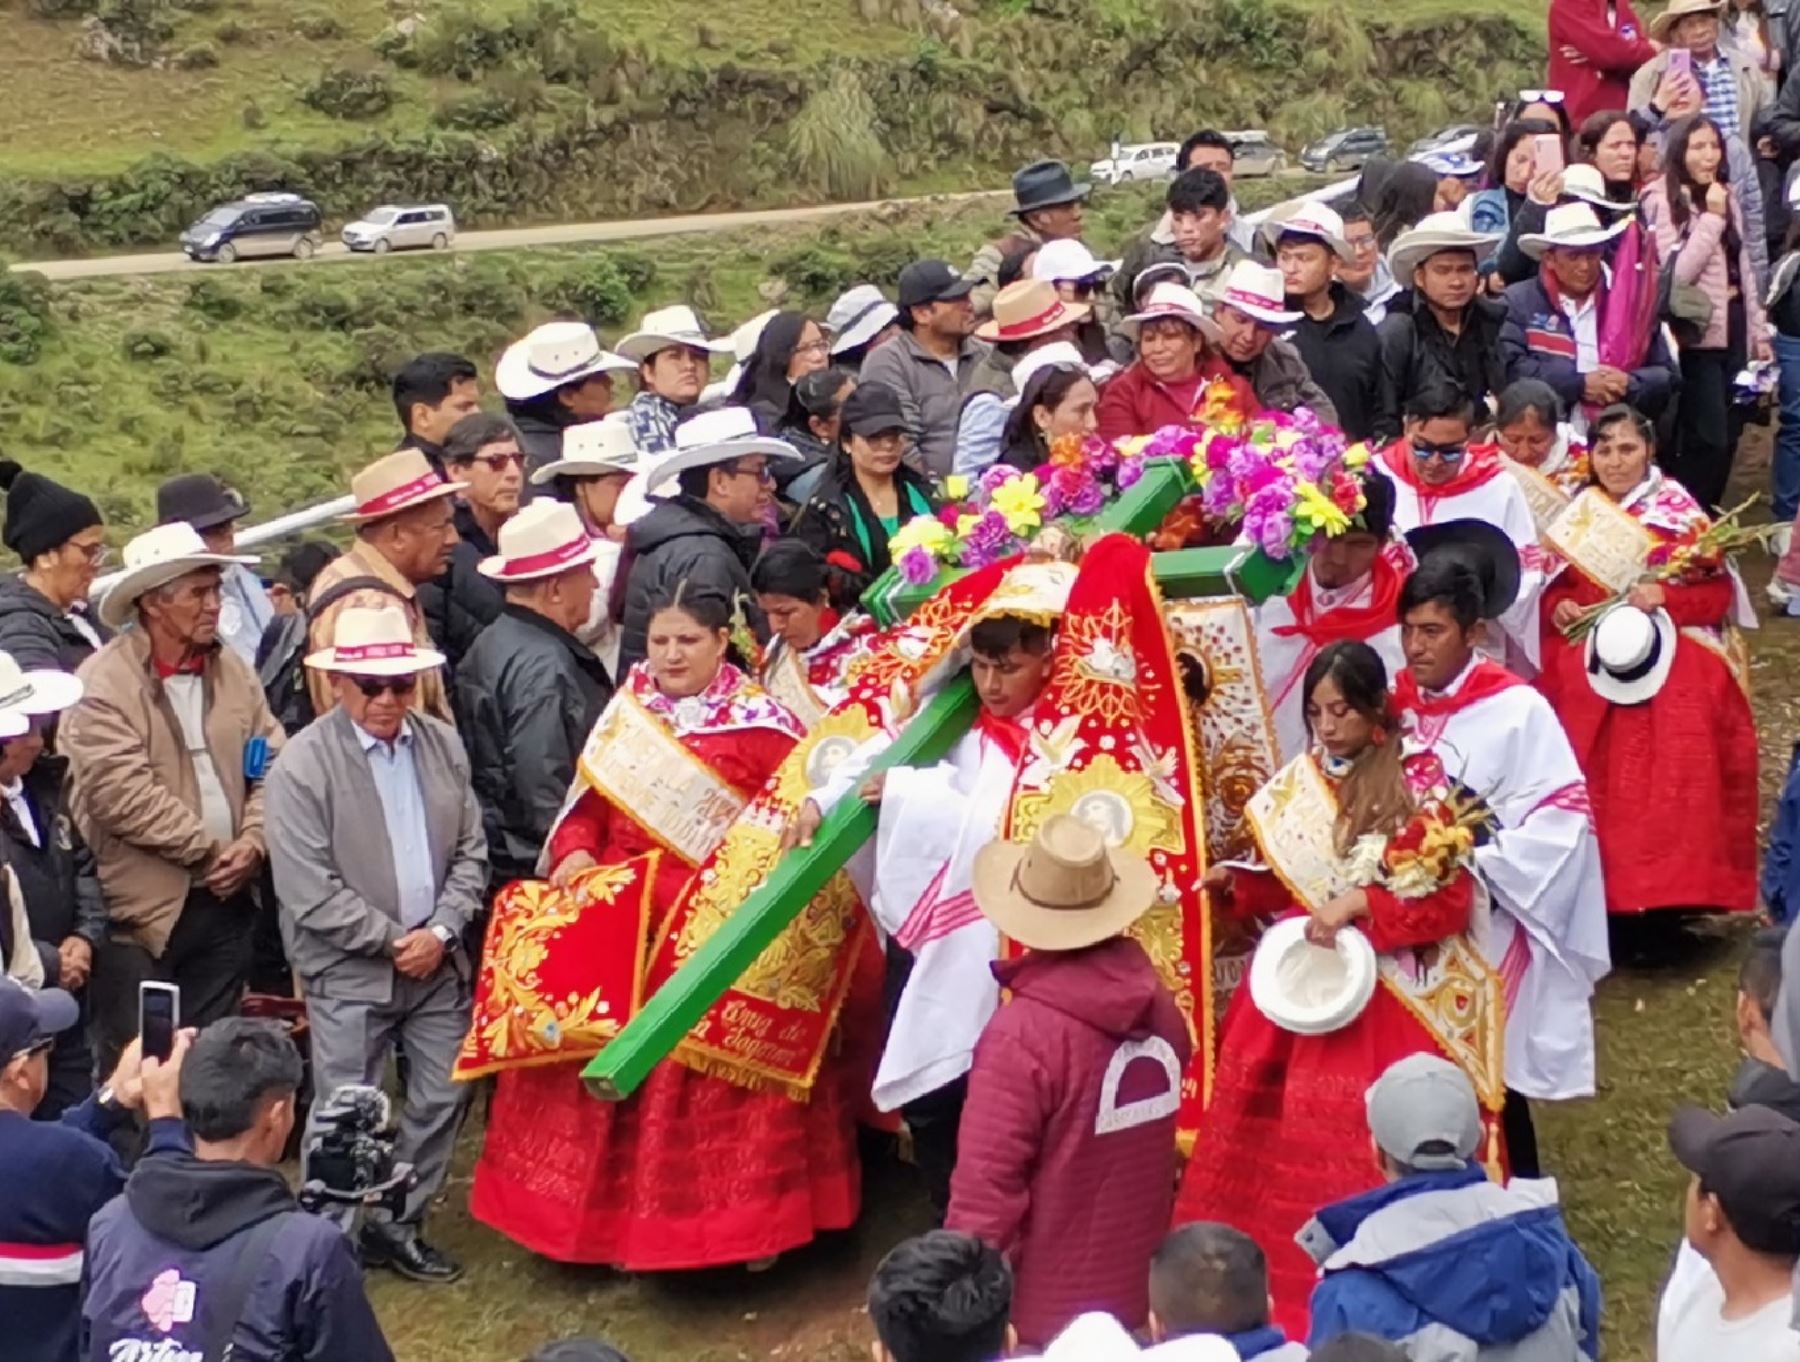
(510, 238)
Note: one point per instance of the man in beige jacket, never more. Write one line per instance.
(404, 535)
(167, 750)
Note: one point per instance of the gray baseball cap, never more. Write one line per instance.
(1424, 1114)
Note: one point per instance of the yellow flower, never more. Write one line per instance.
(1357, 456)
(922, 531)
(1019, 500)
(1313, 508)
(965, 524)
(956, 486)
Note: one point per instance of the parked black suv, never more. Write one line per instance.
(256, 225)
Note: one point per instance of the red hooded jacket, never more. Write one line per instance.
(1066, 1159)
(1611, 51)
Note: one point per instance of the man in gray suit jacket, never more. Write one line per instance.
(380, 862)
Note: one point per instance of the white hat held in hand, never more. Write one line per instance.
(27, 695)
(1630, 653)
(1307, 989)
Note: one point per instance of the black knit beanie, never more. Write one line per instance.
(41, 514)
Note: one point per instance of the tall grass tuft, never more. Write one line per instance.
(833, 141)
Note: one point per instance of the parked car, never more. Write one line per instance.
(1256, 153)
(256, 225)
(399, 227)
(1345, 149)
(1442, 138)
(1144, 161)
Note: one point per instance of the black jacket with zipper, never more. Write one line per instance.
(1416, 351)
(459, 603)
(38, 635)
(1343, 354)
(57, 878)
(684, 542)
(832, 515)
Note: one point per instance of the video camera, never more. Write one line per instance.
(349, 1156)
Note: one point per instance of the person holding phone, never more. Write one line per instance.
(1696, 73)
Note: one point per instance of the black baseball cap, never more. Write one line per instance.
(871, 409)
(1749, 1160)
(29, 1017)
(931, 281)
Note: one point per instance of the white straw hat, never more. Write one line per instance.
(546, 539)
(26, 695)
(1435, 232)
(858, 316)
(1259, 292)
(1573, 226)
(373, 641)
(554, 354)
(666, 328)
(1173, 302)
(1069, 260)
(714, 437)
(394, 483)
(1307, 218)
(156, 558)
(1057, 353)
(1307, 989)
(593, 448)
(1630, 653)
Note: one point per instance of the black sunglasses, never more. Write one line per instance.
(371, 686)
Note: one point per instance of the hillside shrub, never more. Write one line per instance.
(596, 289)
(833, 142)
(24, 316)
(343, 93)
(216, 299)
(199, 57)
(475, 111)
(146, 344)
(319, 27)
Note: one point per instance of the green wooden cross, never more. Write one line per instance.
(680, 1003)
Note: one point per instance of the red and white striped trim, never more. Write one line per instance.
(935, 916)
(563, 555)
(1243, 298)
(400, 497)
(40, 1264)
(1027, 327)
(346, 656)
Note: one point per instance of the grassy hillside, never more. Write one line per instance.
(520, 110)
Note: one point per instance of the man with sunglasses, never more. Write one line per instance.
(483, 456)
(380, 866)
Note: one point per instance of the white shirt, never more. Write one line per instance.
(1584, 321)
(187, 697)
(21, 807)
(1691, 1324)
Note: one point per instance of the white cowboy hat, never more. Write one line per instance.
(1307, 989)
(1258, 292)
(714, 437)
(1681, 9)
(743, 345)
(546, 539)
(26, 695)
(373, 641)
(1028, 308)
(1069, 260)
(1570, 225)
(593, 448)
(1174, 302)
(394, 483)
(1630, 653)
(1435, 232)
(858, 316)
(666, 328)
(1063, 890)
(554, 354)
(1319, 221)
(1032, 362)
(1458, 165)
(156, 558)
(1585, 182)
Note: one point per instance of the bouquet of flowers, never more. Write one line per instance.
(1691, 557)
(1439, 840)
(1288, 478)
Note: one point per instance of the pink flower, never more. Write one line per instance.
(917, 566)
(1129, 472)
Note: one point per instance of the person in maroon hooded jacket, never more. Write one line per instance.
(1067, 1150)
(1595, 46)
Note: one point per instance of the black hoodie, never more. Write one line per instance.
(161, 1255)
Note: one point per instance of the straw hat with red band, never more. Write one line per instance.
(1031, 307)
(394, 483)
(373, 641)
(1173, 302)
(1258, 292)
(546, 539)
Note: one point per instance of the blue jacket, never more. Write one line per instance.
(1537, 341)
(54, 1175)
(1453, 1268)
(1781, 866)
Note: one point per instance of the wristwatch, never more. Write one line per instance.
(444, 934)
(108, 1101)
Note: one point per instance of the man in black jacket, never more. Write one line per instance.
(529, 690)
(1338, 343)
(432, 392)
(705, 537)
(1440, 329)
(482, 455)
(207, 1254)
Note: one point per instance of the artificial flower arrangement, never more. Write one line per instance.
(1287, 478)
(1690, 557)
(1437, 841)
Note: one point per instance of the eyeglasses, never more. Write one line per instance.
(1453, 453)
(96, 554)
(1541, 97)
(497, 463)
(762, 474)
(813, 347)
(372, 686)
(1362, 241)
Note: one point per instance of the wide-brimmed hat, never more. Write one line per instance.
(1435, 232)
(1061, 354)
(1310, 219)
(858, 316)
(201, 500)
(1585, 182)
(1173, 302)
(546, 539)
(1310, 989)
(1569, 226)
(555, 354)
(714, 437)
(156, 558)
(1456, 165)
(1030, 307)
(394, 483)
(1063, 890)
(667, 328)
(1071, 261)
(27, 695)
(373, 641)
(1630, 653)
(594, 448)
(1484, 548)
(1681, 9)
(1045, 184)
(1259, 292)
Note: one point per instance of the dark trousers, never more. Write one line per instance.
(1521, 1137)
(1708, 423)
(71, 1068)
(207, 958)
(933, 1121)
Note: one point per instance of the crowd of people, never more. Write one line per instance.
(444, 802)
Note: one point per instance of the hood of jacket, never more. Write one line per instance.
(1489, 1262)
(683, 517)
(1112, 986)
(1759, 1084)
(197, 1203)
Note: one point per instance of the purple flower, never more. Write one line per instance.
(1130, 471)
(1171, 442)
(988, 541)
(994, 476)
(917, 566)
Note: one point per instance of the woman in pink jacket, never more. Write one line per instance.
(1698, 218)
